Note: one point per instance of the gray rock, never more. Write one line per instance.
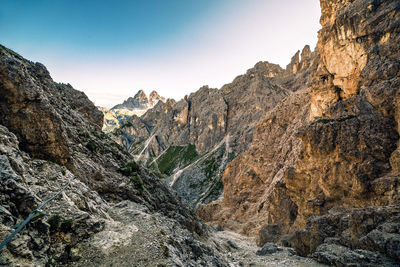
(268, 248)
(342, 256)
(64, 146)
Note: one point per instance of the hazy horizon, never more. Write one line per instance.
(111, 50)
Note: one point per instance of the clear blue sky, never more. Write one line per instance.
(111, 49)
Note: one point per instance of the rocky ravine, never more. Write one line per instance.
(189, 142)
(112, 211)
(329, 148)
(51, 134)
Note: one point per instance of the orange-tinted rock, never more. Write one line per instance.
(333, 144)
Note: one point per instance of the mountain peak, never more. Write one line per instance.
(154, 97)
(154, 94)
(140, 94)
(136, 105)
(140, 101)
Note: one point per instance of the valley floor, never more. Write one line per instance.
(242, 251)
(138, 238)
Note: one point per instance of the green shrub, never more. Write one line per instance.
(177, 156)
(83, 133)
(130, 168)
(323, 120)
(231, 156)
(138, 182)
(66, 225)
(212, 166)
(12, 52)
(57, 223)
(92, 146)
(54, 222)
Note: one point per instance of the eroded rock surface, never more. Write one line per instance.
(218, 123)
(333, 143)
(140, 101)
(121, 113)
(51, 138)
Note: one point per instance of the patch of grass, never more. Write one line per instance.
(41, 166)
(130, 168)
(58, 223)
(168, 161)
(54, 222)
(13, 53)
(92, 146)
(138, 183)
(98, 134)
(66, 225)
(83, 133)
(231, 156)
(322, 120)
(190, 154)
(176, 156)
(214, 193)
(211, 167)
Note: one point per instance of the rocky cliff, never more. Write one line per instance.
(306, 156)
(334, 143)
(140, 101)
(111, 210)
(190, 142)
(107, 210)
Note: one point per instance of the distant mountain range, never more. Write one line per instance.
(140, 101)
(121, 113)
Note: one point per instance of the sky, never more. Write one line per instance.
(112, 48)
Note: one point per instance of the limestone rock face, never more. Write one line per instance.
(121, 113)
(358, 44)
(252, 185)
(51, 139)
(154, 97)
(140, 101)
(365, 237)
(333, 143)
(254, 193)
(114, 118)
(219, 123)
(34, 105)
(203, 118)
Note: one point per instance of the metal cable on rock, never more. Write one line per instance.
(35, 213)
